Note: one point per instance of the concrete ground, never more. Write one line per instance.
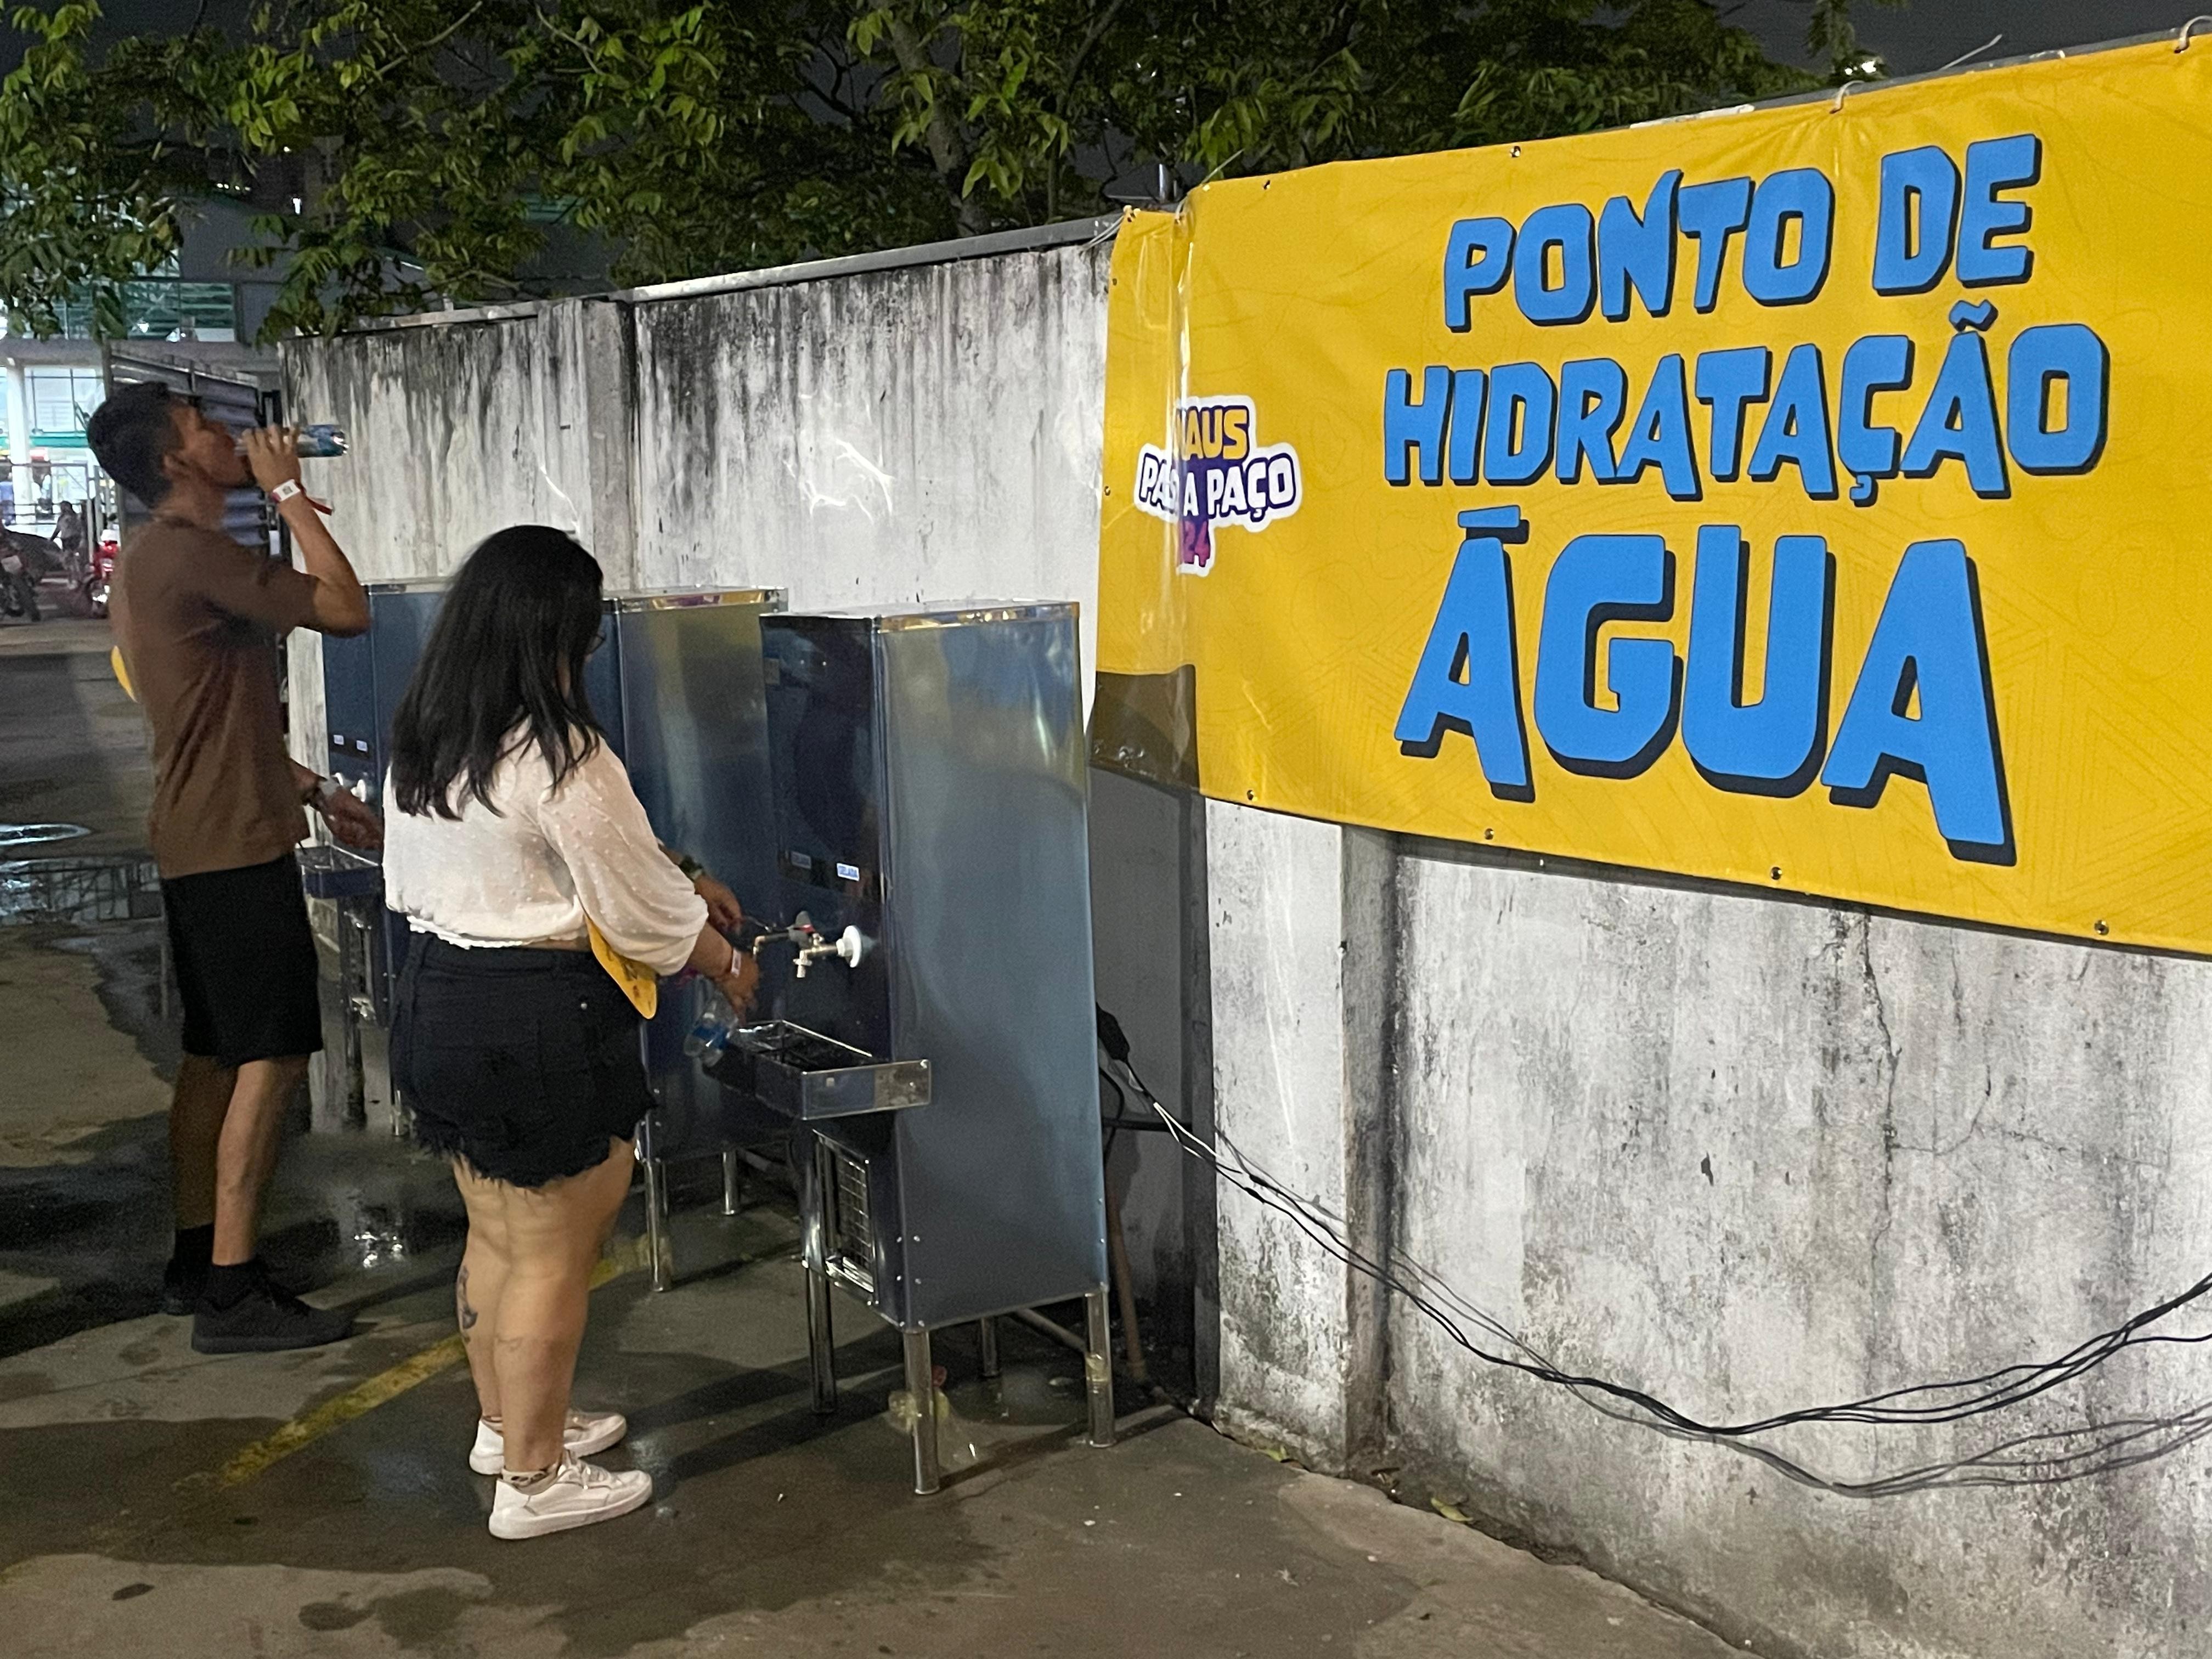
(72, 747)
(159, 1502)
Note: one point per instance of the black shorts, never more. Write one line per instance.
(246, 963)
(524, 1064)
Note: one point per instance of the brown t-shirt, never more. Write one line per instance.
(197, 617)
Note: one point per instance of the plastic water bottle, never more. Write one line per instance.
(710, 1033)
(320, 442)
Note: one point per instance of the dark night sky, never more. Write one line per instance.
(1927, 35)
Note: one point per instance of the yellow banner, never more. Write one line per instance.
(1814, 497)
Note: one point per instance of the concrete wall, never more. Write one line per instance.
(462, 429)
(459, 430)
(924, 434)
(1750, 1153)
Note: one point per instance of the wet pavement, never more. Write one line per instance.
(161, 1502)
(72, 746)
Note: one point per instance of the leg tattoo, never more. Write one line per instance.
(465, 1314)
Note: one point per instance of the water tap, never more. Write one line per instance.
(800, 935)
(847, 947)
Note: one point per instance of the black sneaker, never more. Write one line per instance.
(181, 1285)
(266, 1319)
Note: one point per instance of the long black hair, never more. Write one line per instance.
(503, 670)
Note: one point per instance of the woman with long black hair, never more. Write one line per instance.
(515, 838)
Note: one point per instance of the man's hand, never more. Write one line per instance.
(353, 821)
(740, 987)
(722, 907)
(272, 451)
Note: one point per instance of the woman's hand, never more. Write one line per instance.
(723, 909)
(740, 984)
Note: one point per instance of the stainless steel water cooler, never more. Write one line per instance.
(363, 679)
(929, 1026)
(681, 674)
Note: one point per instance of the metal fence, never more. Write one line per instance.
(79, 889)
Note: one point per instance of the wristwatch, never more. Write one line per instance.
(692, 868)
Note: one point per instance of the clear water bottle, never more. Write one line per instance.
(320, 442)
(710, 1033)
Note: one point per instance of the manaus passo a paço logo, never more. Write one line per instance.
(1214, 472)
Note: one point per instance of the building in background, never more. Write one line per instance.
(199, 316)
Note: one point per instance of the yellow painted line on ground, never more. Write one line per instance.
(357, 1402)
(363, 1398)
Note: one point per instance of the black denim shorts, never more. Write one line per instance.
(522, 1063)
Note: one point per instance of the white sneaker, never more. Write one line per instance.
(578, 1494)
(588, 1432)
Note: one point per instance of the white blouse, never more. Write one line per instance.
(532, 871)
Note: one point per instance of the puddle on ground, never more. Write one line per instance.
(78, 890)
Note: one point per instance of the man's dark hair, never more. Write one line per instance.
(130, 433)
(503, 670)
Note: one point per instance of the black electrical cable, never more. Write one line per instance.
(2008, 1386)
(2036, 1378)
(1988, 1467)
(1114, 1124)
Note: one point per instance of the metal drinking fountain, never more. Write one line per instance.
(928, 1028)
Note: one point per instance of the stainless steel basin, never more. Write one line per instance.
(811, 1076)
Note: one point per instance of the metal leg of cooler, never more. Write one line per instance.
(821, 1344)
(921, 1394)
(987, 1347)
(812, 1164)
(733, 1181)
(658, 1242)
(1098, 1367)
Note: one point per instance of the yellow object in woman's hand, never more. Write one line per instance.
(639, 982)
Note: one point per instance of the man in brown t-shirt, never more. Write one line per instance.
(197, 618)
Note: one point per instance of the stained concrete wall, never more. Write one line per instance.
(929, 433)
(922, 433)
(1276, 905)
(1749, 1153)
(461, 429)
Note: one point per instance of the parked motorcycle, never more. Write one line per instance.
(19, 589)
(33, 558)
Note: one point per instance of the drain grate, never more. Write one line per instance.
(32, 834)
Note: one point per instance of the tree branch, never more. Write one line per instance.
(1091, 37)
(947, 153)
